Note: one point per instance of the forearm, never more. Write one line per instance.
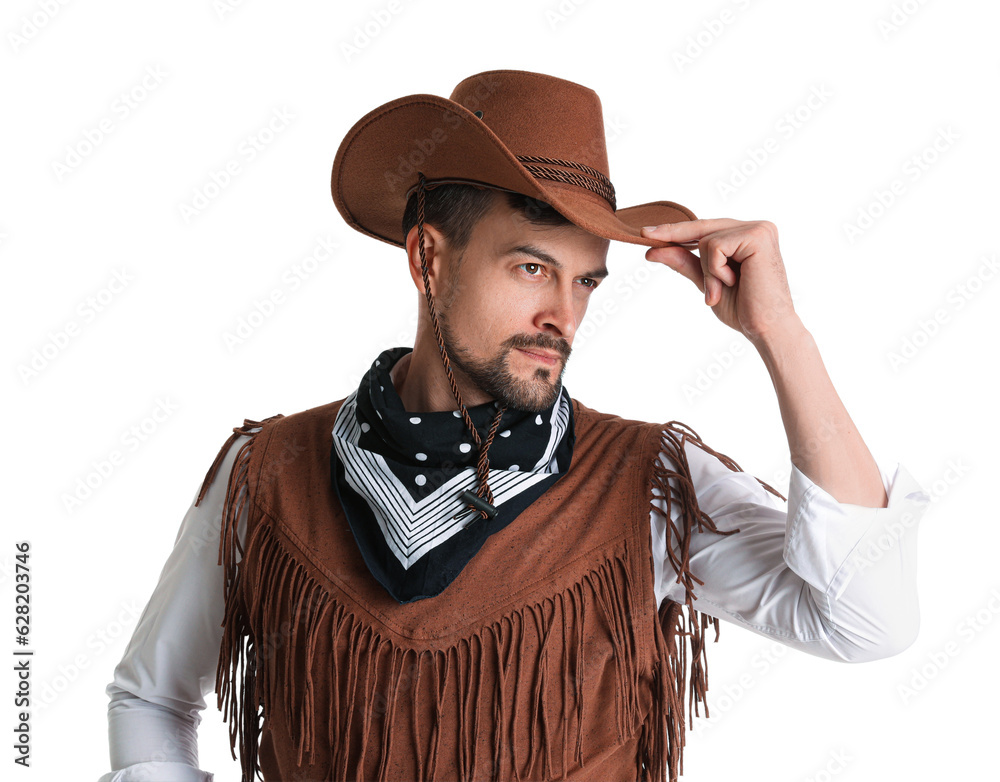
(822, 439)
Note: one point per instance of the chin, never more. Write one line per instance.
(536, 403)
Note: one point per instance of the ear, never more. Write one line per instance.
(435, 255)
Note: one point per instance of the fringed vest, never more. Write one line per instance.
(546, 658)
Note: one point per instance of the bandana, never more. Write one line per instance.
(399, 475)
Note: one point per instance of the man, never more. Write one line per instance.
(460, 571)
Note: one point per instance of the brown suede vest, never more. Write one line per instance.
(546, 658)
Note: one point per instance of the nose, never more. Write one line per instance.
(558, 314)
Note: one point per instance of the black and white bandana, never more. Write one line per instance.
(399, 475)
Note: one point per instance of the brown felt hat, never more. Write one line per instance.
(511, 130)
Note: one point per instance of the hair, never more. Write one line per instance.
(454, 209)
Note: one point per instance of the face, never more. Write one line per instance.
(519, 288)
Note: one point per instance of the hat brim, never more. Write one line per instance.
(378, 160)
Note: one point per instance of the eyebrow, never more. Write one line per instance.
(529, 249)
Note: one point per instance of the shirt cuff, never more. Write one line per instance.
(157, 771)
(827, 542)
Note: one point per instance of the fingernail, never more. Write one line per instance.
(649, 228)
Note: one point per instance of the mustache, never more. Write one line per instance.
(559, 346)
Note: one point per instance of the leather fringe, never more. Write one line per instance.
(249, 685)
(552, 685)
(236, 672)
(247, 428)
(661, 753)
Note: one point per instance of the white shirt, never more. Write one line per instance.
(812, 575)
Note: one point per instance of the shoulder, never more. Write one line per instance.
(676, 446)
(588, 417)
(606, 440)
(290, 432)
(669, 435)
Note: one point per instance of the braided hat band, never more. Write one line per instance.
(597, 182)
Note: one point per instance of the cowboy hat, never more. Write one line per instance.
(510, 130)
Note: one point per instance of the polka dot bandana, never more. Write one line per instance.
(399, 476)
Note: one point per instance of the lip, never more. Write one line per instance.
(545, 358)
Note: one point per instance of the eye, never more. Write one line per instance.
(592, 282)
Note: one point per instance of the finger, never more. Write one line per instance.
(686, 230)
(681, 261)
(715, 262)
(713, 290)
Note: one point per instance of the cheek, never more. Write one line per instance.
(493, 313)
(494, 321)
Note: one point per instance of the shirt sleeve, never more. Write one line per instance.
(159, 687)
(829, 578)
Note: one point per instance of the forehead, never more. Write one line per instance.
(504, 229)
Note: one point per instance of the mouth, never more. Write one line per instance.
(549, 359)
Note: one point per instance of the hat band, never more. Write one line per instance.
(594, 180)
(596, 183)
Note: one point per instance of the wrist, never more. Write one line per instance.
(783, 340)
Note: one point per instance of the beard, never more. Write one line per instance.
(494, 375)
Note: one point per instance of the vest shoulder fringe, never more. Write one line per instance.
(677, 634)
(247, 429)
(687, 434)
(237, 661)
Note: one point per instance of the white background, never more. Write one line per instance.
(692, 90)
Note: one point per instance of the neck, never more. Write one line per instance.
(422, 383)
